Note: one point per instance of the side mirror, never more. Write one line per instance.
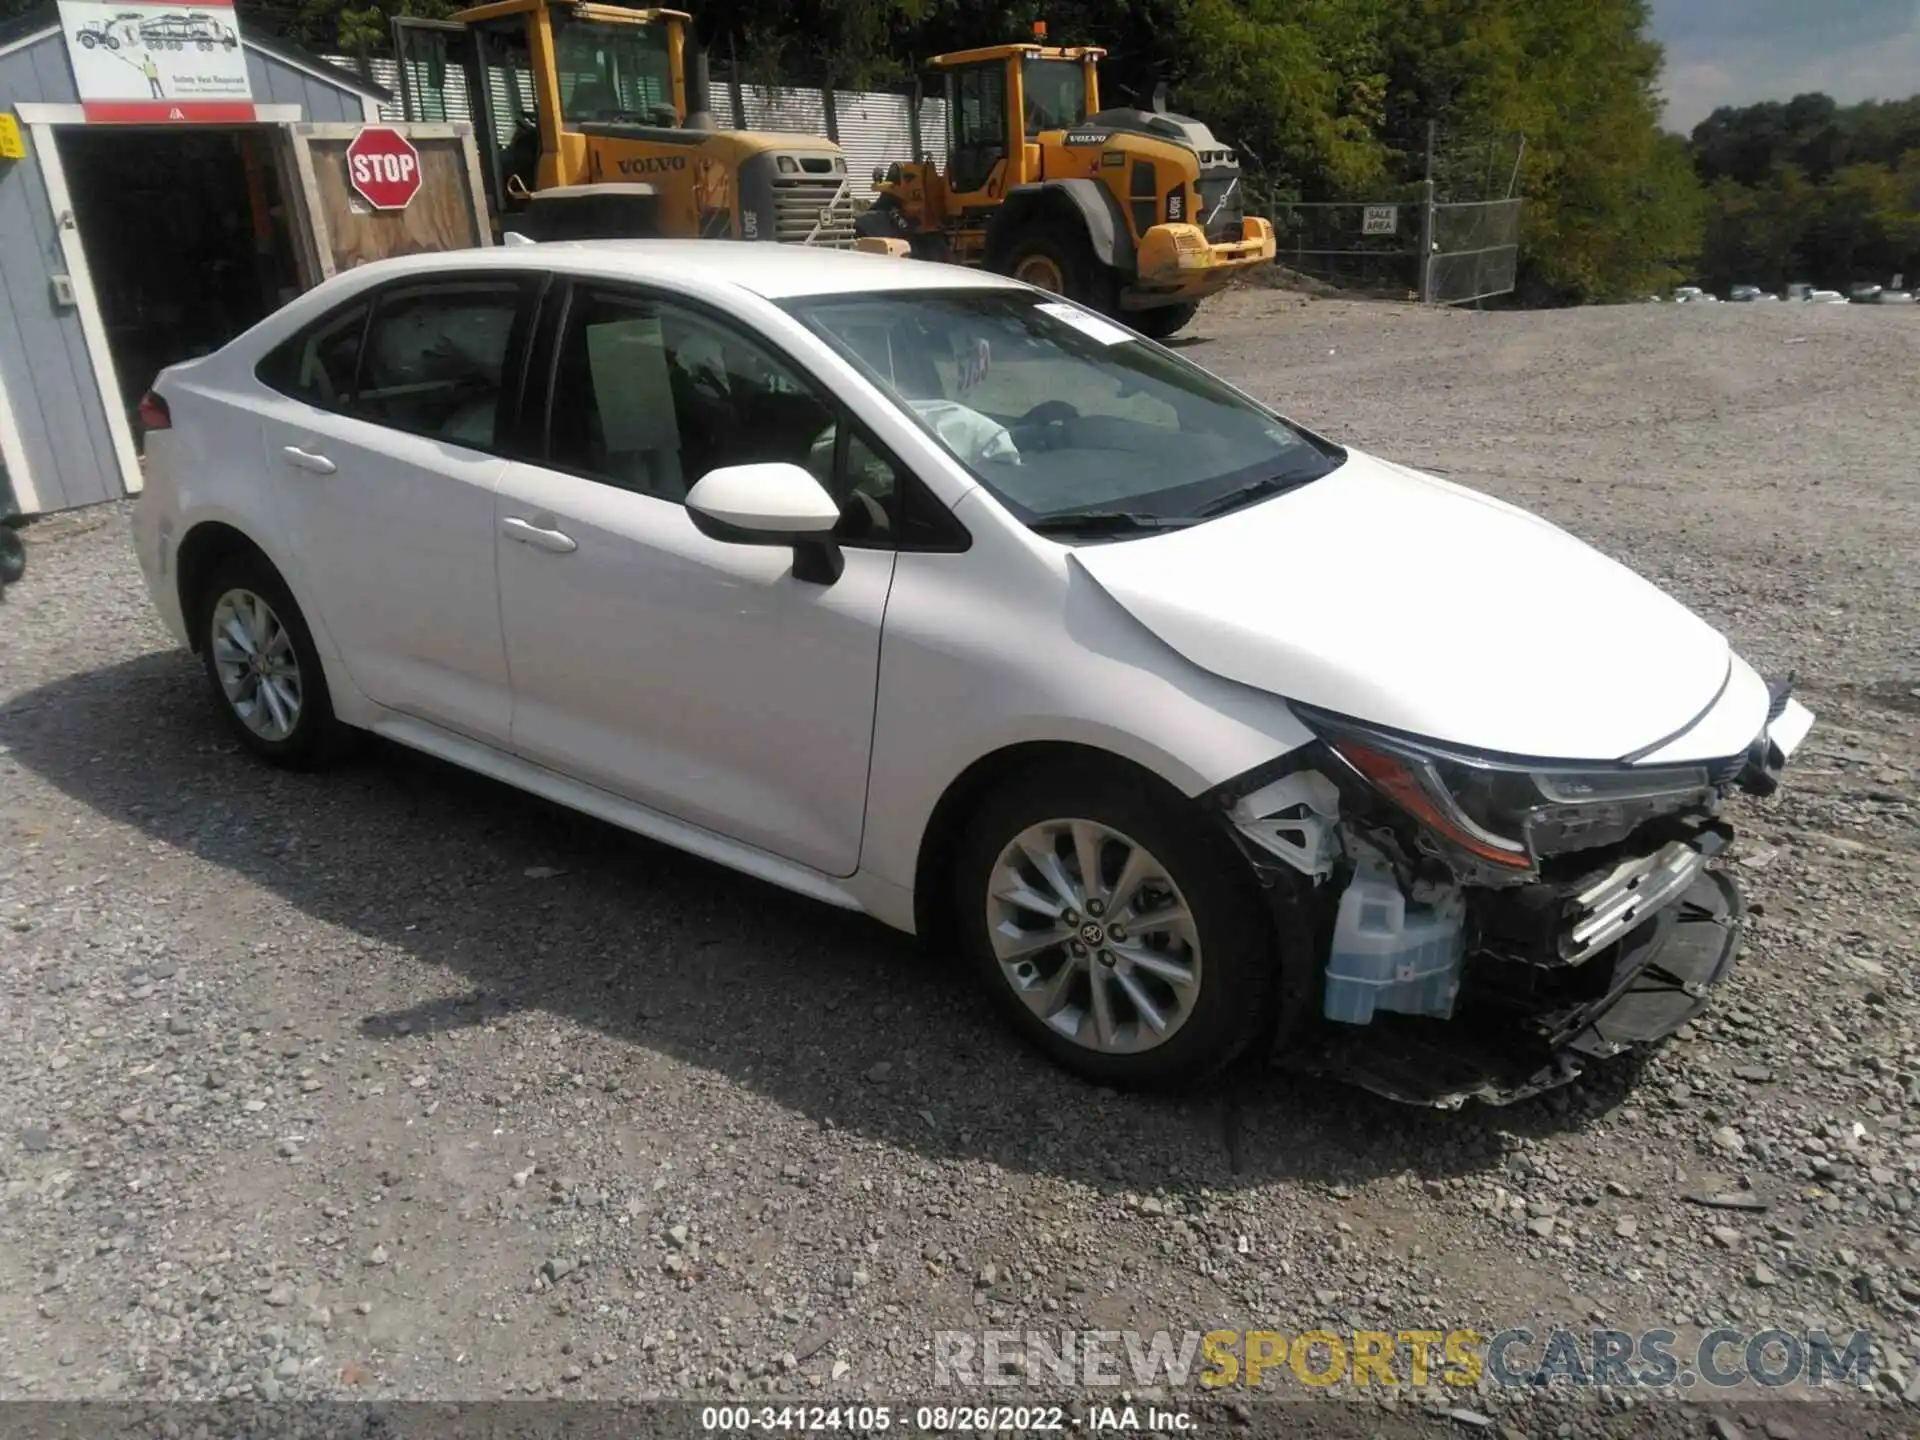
(773, 503)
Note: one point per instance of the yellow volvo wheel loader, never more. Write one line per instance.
(1137, 213)
(593, 121)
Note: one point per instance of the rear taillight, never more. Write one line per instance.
(154, 414)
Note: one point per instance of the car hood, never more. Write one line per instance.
(1417, 604)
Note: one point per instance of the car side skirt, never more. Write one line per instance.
(484, 759)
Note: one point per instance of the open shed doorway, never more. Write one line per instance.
(186, 236)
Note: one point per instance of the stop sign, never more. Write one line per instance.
(383, 168)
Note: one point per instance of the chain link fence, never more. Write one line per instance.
(1475, 252)
(1372, 246)
(1449, 236)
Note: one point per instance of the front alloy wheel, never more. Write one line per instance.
(1116, 926)
(254, 660)
(1094, 936)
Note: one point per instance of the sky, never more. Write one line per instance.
(1735, 52)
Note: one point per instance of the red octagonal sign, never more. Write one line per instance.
(383, 168)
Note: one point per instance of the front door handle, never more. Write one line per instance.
(308, 460)
(528, 533)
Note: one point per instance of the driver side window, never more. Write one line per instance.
(649, 396)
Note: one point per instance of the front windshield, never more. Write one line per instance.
(1056, 93)
(1067, 418)
(612, 72)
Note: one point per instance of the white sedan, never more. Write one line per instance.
(930, 595)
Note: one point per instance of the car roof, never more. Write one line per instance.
(774, 272)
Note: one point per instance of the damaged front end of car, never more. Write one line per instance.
(1488, 927)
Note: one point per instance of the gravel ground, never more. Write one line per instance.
(393, 1083)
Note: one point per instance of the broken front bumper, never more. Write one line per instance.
(1177, 263)
(1605, 953)
(1519, 1030)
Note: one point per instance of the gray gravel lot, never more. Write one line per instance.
(394, 1083)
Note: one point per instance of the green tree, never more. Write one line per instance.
(1301, 83)
(1811, 190)
(1612, 207)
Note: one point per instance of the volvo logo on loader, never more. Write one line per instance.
(653, 164)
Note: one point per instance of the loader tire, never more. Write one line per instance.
(1055, 255)
(1164, 320)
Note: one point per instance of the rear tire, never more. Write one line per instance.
(1157, 860)
(261, 661)
(1055, 255)
(13, 557)
(1164, 320)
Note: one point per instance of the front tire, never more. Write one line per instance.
(1164, 320)
(13, 557)
(261, 660)
(1056, 256)
(1160, 972)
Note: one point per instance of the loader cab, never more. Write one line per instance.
(1000, 100)
(538, 75)
(1058, 90)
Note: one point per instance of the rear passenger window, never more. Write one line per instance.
(318, 364)
(435, 359)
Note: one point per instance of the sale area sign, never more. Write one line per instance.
(148, 62)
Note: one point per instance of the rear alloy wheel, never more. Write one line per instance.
(260, 656)
(1115, 928)
(254, 662)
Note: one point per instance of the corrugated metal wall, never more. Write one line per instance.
(277, 83)
(787, 109)
(873, 125)
(876, 130)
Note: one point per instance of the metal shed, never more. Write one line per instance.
(102, 185)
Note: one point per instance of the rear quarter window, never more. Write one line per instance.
(435, 357)
(319, 364)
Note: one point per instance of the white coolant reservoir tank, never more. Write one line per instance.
(1389, 954)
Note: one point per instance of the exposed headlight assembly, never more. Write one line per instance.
(1506, 816)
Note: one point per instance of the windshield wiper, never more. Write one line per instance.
(1260, 489)
(1104, 522)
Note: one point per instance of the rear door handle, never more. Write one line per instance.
(528, 533)
(308, 460)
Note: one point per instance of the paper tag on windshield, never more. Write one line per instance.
(975, 363)
(1091, 326)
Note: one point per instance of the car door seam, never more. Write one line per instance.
(873, 716)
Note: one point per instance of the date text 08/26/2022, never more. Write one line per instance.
(1039, 1419)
